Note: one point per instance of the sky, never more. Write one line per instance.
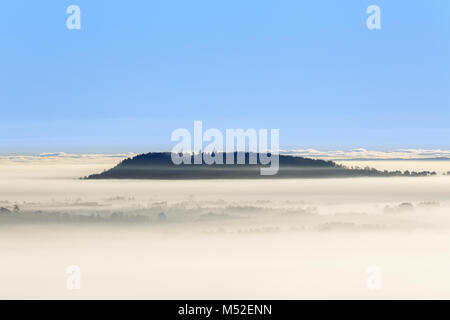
(137, 70)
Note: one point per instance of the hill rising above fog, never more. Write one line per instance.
(159, 165)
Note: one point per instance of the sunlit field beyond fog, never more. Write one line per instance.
(241, 239)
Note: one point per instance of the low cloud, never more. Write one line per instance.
(361, 153)
(64, 157)
(353, 154)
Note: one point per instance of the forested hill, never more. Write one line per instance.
(159, 165)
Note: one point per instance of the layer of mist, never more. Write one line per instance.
(241, 239)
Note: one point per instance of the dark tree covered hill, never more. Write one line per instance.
(159, 165)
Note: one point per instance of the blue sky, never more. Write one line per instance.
(137, 70)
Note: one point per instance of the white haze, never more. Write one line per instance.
(245, 239)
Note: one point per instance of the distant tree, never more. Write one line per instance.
(162, 217)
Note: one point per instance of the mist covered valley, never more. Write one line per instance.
(302, 238)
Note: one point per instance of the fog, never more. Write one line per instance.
(230, 239)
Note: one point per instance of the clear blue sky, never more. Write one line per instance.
(139, 69)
